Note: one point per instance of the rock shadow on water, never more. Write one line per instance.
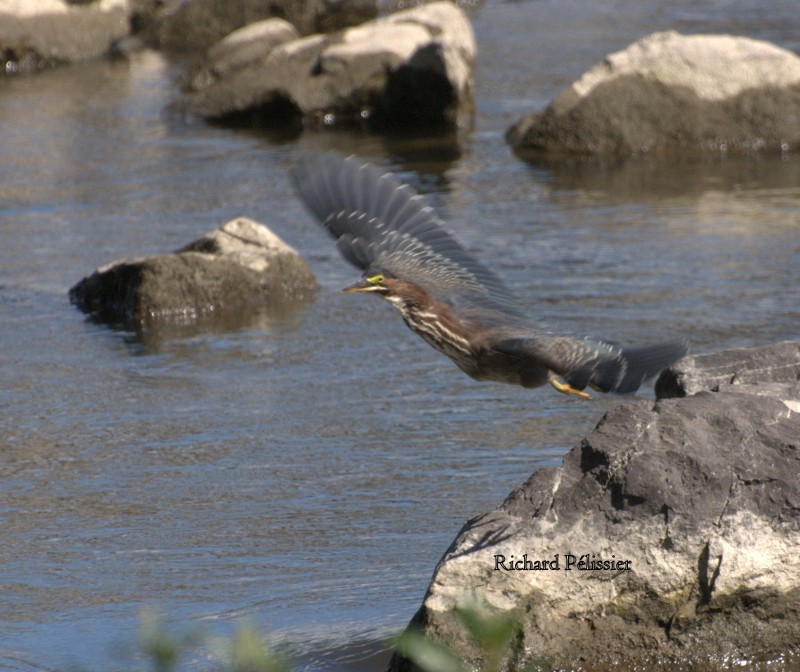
(416, 151)
(654, 178)
(151, 337)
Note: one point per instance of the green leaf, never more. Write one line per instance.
(427, 655)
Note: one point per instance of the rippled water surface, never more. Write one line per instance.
(306, 468)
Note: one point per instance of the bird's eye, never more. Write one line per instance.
(375, 280)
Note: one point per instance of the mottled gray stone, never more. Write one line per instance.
(674, 93)
(775, 363)
(243, 47)
(242, 265)
(413, 68)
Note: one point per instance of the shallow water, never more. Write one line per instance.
(305, 469)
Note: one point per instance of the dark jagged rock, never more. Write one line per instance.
(697, 497)
(411, 69)
(674, 93)
(778, 363)
(241, 265)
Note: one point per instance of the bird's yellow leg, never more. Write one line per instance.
(566, 388)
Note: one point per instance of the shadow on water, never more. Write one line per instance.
(656, 178)
(356, 656)
(149, 338)
(424, 157)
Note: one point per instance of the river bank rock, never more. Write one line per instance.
(241, 265)
(195, 25)
(694, 501)
(674, 93)
(778, 363)
(411, 69)
(45, 33)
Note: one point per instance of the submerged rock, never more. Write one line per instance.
(44, 33)
(672, 92)
(671, 534)
(411, 69)
(239, 266)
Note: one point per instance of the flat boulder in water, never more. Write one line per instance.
(240, 266)
(674, 93)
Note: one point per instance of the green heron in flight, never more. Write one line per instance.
(447, 297)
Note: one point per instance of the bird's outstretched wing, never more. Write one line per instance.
(382, 225)
(583, 362)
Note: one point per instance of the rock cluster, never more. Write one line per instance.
(308, 63)
(670, 534)
(240, 266)
(413, 68)
(283, 63)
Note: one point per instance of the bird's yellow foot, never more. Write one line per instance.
(566, 388)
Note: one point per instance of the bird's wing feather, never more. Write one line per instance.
(584, 362)
(381, 224)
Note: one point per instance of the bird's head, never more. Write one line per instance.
(404, 295)
(379, 284)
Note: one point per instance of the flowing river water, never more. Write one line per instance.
(305, 469)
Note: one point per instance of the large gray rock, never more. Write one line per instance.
(413, 68)
(44, 33)
(695, 501)
(195, 25)
(778, 363)
(672, 92)
(242, 265)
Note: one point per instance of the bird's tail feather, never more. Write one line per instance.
(628, 370)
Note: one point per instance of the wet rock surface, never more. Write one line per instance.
(674, 93)
(695, 504)
(239, 266)
(778, 363)
(411, 69)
